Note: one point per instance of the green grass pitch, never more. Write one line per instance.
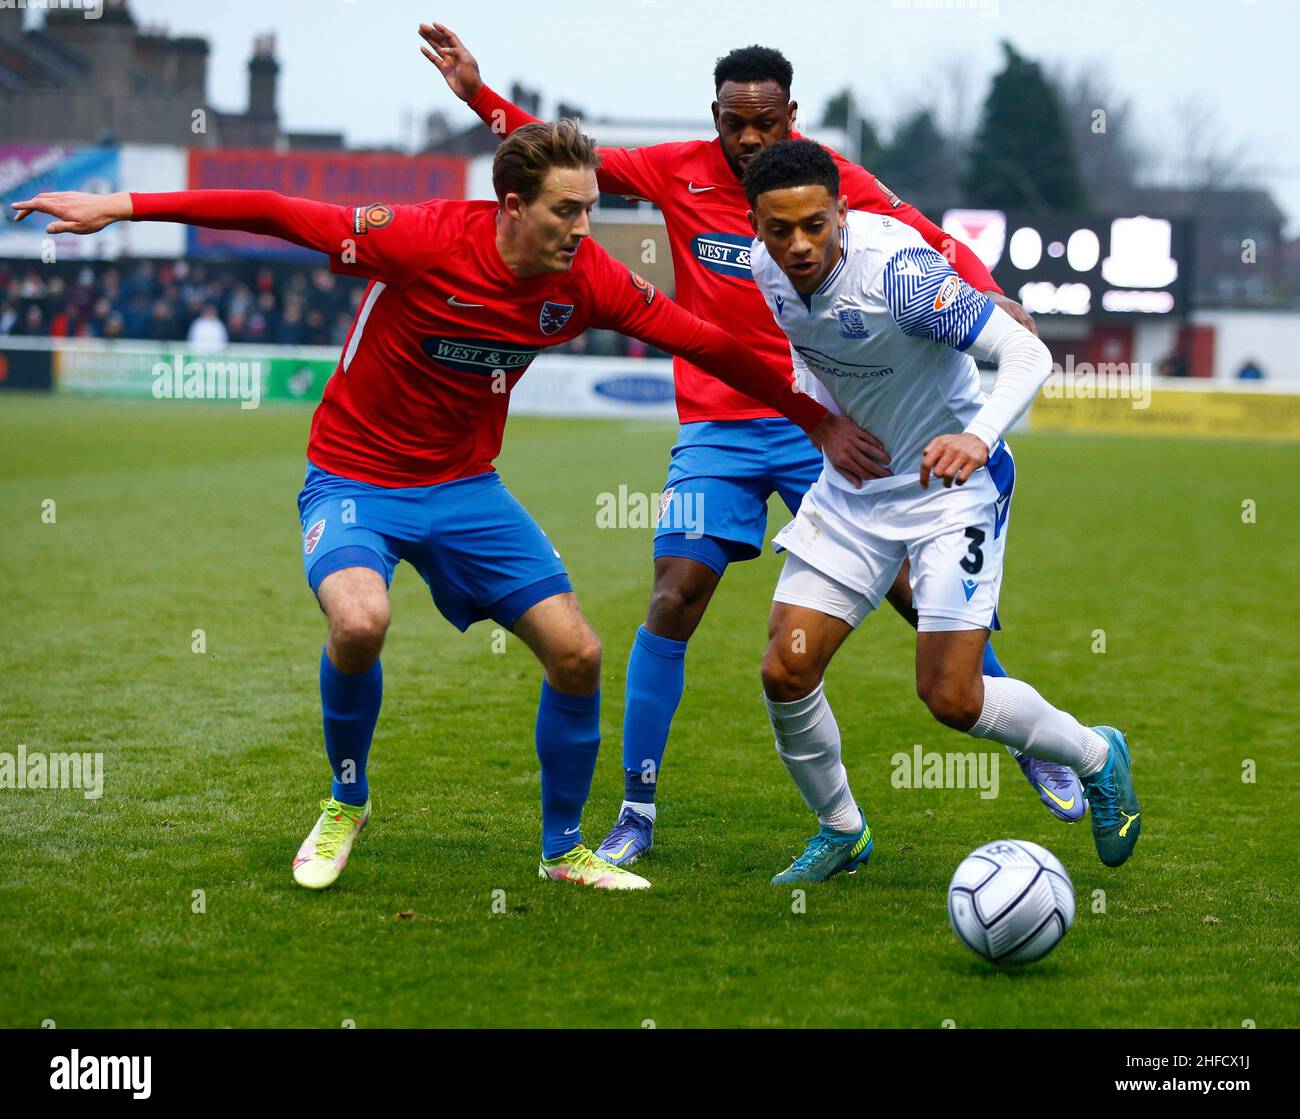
(173, 518)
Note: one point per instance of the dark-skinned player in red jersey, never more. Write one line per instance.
(462, 296)
(732, 452)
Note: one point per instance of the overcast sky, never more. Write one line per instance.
(355, 65)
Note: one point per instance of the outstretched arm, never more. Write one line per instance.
(315, 225)
(375, 241)
(627, 171)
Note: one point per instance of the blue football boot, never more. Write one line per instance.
(629, 839)
(829, 852)
(1057, 786)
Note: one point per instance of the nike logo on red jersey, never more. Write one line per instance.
(457, 303)
(698, 190)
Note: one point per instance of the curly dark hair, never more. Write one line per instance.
(791, 163)
(754, 64)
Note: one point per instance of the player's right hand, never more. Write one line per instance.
(452, 57)
(77, 211)
(855, 453)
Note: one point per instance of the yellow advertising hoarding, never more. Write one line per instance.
(1215, 414)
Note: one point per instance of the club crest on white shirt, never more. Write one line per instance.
(852, 324)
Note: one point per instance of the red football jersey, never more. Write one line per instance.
(704, 209)
(445, 330)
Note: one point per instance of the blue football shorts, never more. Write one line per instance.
(714, 504)
(474, 545)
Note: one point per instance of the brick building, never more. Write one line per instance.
(80, 80)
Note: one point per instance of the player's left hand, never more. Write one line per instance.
(1015, 310)
(954, 458)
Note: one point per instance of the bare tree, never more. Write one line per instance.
(1202, 152)
(955, 104)
(1103, 130)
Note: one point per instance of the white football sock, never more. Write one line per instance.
(646, 810)
(1017, 716)
(808, 742)
(843, 815)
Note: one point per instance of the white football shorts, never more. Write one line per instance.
(846, 548)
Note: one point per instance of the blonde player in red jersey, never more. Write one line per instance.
(462, 296)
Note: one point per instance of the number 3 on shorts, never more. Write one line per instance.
(974, 559)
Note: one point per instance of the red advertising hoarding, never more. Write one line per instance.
(347, 178)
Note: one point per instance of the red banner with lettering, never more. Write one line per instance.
(348, 178)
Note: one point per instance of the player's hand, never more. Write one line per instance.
(77, 212)
(855, 453)
(452, 57)
(954, 458)
(1015, 310)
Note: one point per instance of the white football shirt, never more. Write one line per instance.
(882, 340)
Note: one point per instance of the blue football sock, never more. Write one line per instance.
(991, 665)
(656, 676)
(568, 739)
(350, 709)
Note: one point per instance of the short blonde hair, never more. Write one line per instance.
(527, 154)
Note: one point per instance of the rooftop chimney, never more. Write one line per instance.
(263, 72)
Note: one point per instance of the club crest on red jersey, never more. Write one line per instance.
(312, 537)
(554, 316)
(374, 216)
(644, 286)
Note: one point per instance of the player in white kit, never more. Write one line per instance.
(881, 329)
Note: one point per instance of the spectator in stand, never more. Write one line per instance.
(338, 332)
(317, 335)
(237, 326)
(1173, 365)
(240, 301)
(96, 325)
(142, 281)
(207, 332)
(136, 316)
(268, 313)
(162, 323)
(291, 331)
(34, 323)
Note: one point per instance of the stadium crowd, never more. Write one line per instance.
(206, 305)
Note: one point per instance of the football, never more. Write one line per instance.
(1011, 902)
